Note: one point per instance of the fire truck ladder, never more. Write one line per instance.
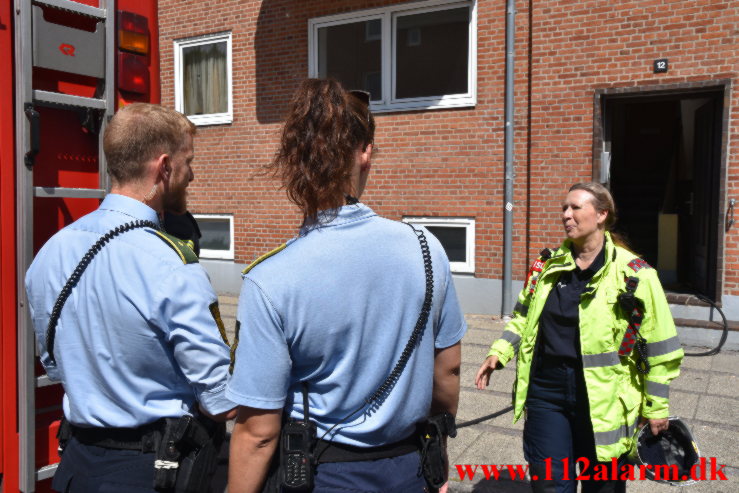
(39, 43)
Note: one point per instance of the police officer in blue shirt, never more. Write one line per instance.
(135, 337)
(324, 320)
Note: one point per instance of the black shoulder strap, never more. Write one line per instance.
(632, 306)
(77, 273)
(627, 299)
(423, 318)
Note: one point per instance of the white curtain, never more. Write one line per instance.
(205, 79)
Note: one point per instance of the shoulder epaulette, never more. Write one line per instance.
(263, 258)
(181, 248)
(638, 264)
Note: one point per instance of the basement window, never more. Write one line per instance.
(203, 79)
(421, 55)
(217, 240)
(456, 235)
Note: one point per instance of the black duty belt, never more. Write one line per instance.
(326, 451)
(145, 438)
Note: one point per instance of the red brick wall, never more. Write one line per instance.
(450, 162)
(578, 47)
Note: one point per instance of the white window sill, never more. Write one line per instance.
(215, 119)
(423, 105)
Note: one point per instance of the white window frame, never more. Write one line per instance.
(179, 44)
(207, 253)
(388, 15)
(468, 223)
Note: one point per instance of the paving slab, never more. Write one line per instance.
(691, 380)
(724, 384)
(227, 310)
(718, 442)
(684, 404)
(488, 448)
(701, 363)
(724, 361)
(478, 404)
(474, 353)
(481, 335)
(720, 410)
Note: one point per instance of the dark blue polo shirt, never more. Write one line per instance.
(559, 322)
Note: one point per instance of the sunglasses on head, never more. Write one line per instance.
(363, 96)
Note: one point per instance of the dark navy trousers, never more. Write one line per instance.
(91, 469)
(558, 430)
(394, 475)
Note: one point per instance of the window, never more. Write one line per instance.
(457, 236)
(203, 79)
(421, 55)
(217, 241)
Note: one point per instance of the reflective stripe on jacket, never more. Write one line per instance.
(617, 393)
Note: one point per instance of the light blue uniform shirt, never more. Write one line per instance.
(336, 308)
(136, 340)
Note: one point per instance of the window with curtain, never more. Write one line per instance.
(203, 79)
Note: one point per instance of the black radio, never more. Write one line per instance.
(297, 442)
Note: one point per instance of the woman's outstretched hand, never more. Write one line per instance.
(482, 379)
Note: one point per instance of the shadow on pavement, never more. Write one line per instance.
(504, 484)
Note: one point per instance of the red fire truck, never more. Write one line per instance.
(64, 68)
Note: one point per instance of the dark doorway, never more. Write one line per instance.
(664, 172)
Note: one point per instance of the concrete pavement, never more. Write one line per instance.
(706, 395)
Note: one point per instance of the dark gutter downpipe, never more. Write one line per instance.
(510, 59)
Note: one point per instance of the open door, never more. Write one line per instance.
(703, 200)
(664, 174)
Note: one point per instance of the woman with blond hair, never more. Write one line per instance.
(597, 350)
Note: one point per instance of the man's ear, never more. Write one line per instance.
(163, 167)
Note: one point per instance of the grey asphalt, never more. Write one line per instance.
(706, 395)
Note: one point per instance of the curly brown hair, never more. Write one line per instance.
(325, 126)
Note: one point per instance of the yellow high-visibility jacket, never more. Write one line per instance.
(617, 393)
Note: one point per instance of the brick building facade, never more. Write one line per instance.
(592, 101)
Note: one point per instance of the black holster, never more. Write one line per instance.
(434, 461)
(187, 455)
(63, 434)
